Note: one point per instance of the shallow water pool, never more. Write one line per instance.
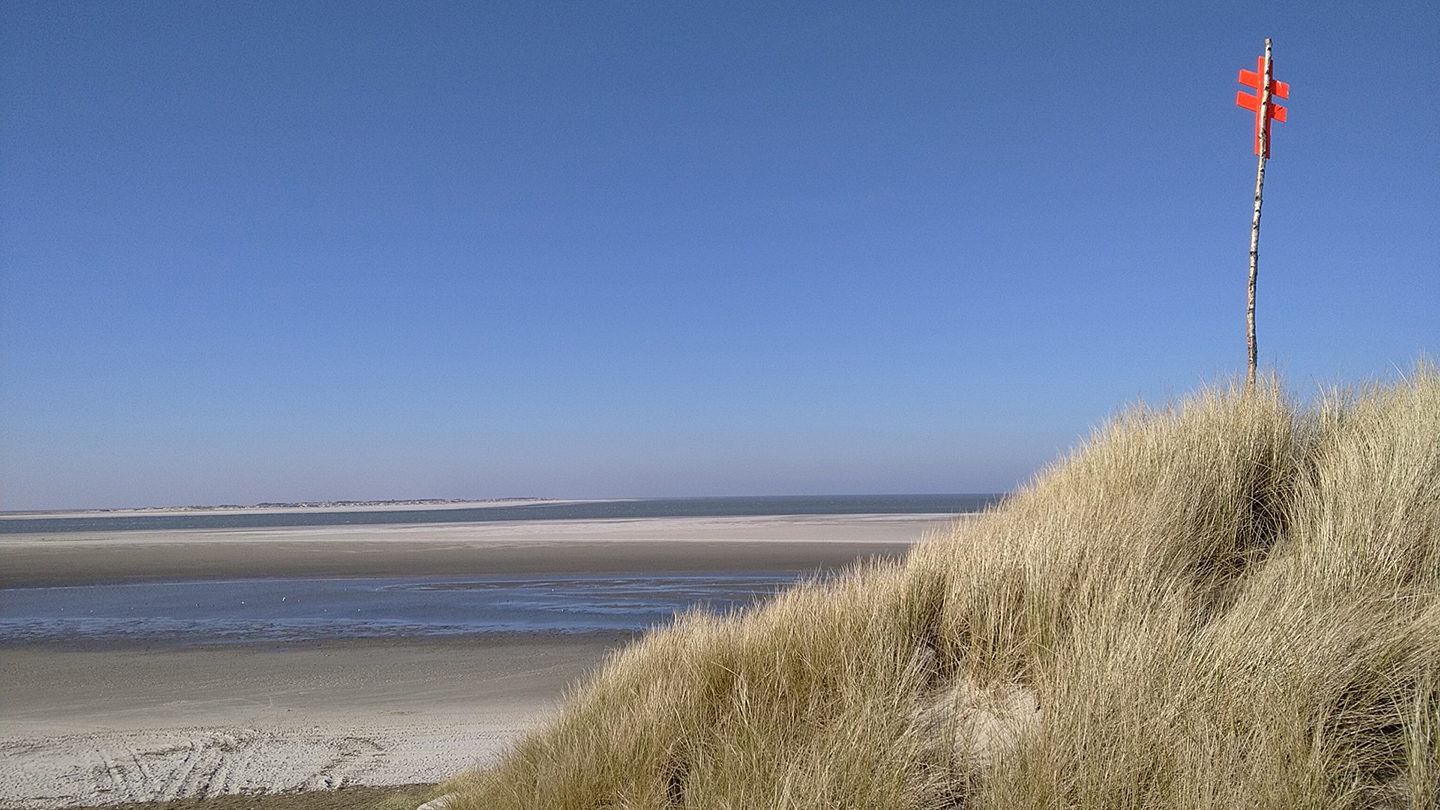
(260, 610)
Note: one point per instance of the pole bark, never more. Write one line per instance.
(1264, 135)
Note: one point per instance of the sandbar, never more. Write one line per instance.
(650, 545)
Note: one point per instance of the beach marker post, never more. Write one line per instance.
(1266, 89)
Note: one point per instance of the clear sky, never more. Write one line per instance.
(297, 251)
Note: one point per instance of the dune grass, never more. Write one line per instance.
(1229, 602)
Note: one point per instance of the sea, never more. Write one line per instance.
(278, 610)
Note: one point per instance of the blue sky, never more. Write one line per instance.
(293, 251)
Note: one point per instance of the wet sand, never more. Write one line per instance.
(655, 545)
(86, 724)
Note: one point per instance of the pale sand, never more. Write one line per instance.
(87, 726)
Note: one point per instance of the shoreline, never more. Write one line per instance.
(91, 724)
(574, 511)
(294, 508)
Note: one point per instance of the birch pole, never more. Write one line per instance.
(1263, 134)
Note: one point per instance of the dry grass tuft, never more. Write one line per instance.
(1227, 602)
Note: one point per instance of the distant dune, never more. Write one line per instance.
(1231, 602)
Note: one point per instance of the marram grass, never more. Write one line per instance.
(1230, 602)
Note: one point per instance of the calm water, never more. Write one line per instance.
(198, 613)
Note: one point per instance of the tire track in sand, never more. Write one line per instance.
(105, 768)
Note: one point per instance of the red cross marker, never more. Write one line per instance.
(1261, 102)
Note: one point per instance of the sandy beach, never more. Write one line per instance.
(87, 724)
(100, 726)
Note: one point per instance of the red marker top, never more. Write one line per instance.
(1252, 102)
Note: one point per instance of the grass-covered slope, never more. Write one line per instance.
(1227, 603)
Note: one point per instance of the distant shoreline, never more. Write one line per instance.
(512, 510)
(284, 508)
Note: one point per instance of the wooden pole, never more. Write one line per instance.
(1264, 135)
